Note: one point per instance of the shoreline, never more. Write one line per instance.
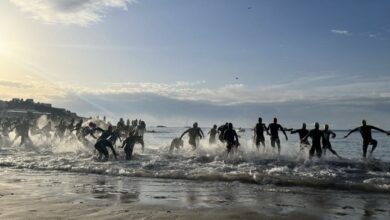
(27, 194)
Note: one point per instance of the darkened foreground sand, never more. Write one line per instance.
(26, 194)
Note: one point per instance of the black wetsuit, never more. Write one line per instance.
(128, 144)
(274, 131)
(366, 133)
(231, 138)
(193, 133)
(103, 142)
(326, 141)
(221, 131)
(316, 136)
(259, 131)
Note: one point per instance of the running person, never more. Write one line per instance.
(366, 132)
(231, 138)
(193, 134)
(259, 133)
(316, 135)
(128, 145)
(273, 129)
(102, 143)
(213, 133)
(327, 134)
(302, 134)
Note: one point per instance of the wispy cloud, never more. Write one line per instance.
(70, 12)
(340, 32)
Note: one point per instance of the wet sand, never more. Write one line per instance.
(26, 194)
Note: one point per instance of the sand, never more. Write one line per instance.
(27, 194)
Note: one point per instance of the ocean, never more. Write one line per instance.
(262, 167)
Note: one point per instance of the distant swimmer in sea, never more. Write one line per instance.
(273, 130)
(259, 133)
(302, 134)
(366, 132)
(231, 138)
(176, 144)
(316, 136)
(193, 133)
(213, 134)
(102, 143)
(128, 145)
(327, 134)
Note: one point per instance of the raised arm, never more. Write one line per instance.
(351, 131)
(294, 131)
(378, 129)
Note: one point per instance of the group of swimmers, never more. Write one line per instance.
(320, 138)
(131, 132)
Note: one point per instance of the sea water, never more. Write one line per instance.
(261, 166)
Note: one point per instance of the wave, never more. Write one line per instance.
(367, 176)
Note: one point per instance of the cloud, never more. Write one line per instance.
(328, 98)
(70, 12)
(341, 32)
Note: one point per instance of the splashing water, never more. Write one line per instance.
(211, 163)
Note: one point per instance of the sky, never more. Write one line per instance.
(174, 62)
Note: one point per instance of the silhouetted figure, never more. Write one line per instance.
(22, 129)
(128, 145)
(193, 134)
(273, 130)
(302, 134)
(139, 132)
(231, 138)
(316, 136)
(213, 135)
(365, 131)
(176, 144)
(221, 131)
(326, 141)
(103, 142)
(259, 133)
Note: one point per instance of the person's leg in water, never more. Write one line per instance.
(329, 147)
(98, 147)
(229, 147)
(374, 144)
(192, 142)
(129, 151)
(273, 143)
(278, 143)
(365, 146)
(319, 151)
(311, 151)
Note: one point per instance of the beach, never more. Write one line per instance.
(27, 194)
